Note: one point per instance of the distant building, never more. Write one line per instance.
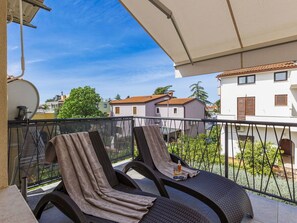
(164, 107)
(104, 106)
(266, 93)
(180, 108)
(137, 106)
(49, 108)
(55, 103)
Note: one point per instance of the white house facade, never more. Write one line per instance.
(136, 106)
(163, 107)
(181, 108)
(265, 93)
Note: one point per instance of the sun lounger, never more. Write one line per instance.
(163, 210)
(225, 197)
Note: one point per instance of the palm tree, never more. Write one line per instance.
(162, 90)
(199, 92)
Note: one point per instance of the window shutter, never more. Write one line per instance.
(241, 108)
(250, 106)
(281, 100)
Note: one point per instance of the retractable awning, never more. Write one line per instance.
(206, 36)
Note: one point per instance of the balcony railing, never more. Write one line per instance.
(260, 156)
(27, 143)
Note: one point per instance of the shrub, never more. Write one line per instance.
(258, 159)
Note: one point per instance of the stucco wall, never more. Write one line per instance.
(270, 137)
(264, 90)
(3, 93)
(127, 109)
(194, 109)
(163, 111)
(151, 107)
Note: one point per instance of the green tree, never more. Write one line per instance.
(162, 90)
(199, 92)
(218, 104)
(81, 103)
(117, 97)
(44, 107)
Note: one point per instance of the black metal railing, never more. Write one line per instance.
(27, 141)
(260, 156)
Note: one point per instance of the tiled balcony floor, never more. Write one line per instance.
(265, 210)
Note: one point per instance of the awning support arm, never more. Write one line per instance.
(170, 16)
(236, 28)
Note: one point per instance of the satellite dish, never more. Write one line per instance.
(23, 97)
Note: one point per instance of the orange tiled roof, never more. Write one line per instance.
(262, 68)
(138, 99)
(177, 101)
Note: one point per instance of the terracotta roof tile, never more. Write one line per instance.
(138, 99)
(262, 68)
(177, 101)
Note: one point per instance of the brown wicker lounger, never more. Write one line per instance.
(163, 210)
(225, 197)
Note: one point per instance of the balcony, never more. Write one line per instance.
(255, 157)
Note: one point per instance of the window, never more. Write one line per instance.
(105, 105)
(244, 138)
(175, 110)
(251, 79)
(134, 110)
(117, 110)
(281, 100)
(158, 111)
(281, 76)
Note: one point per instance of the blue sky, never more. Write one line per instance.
(95, 43)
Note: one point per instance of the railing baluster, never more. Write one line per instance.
(226, 151)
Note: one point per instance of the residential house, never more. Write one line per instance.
(164, 107)
(48, 110)
(265, 93)
(137, 106)
(104, 106)
(182, 108)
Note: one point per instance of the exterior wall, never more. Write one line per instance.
(104, 107)
(270, 138)
(144, 109)
(151, 107)
(3, 98)
(196, 110)
(164, 111)
(264, 91)
(127, 109)
(53, 105)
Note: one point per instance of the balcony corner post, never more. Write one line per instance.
(132, 136)
(226, 152)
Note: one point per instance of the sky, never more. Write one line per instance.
(95, 43)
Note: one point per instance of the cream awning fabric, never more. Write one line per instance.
(206, 36)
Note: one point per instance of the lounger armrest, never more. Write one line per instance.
(126, 180)
(64, 203)
(145, 170)
(175, 159)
